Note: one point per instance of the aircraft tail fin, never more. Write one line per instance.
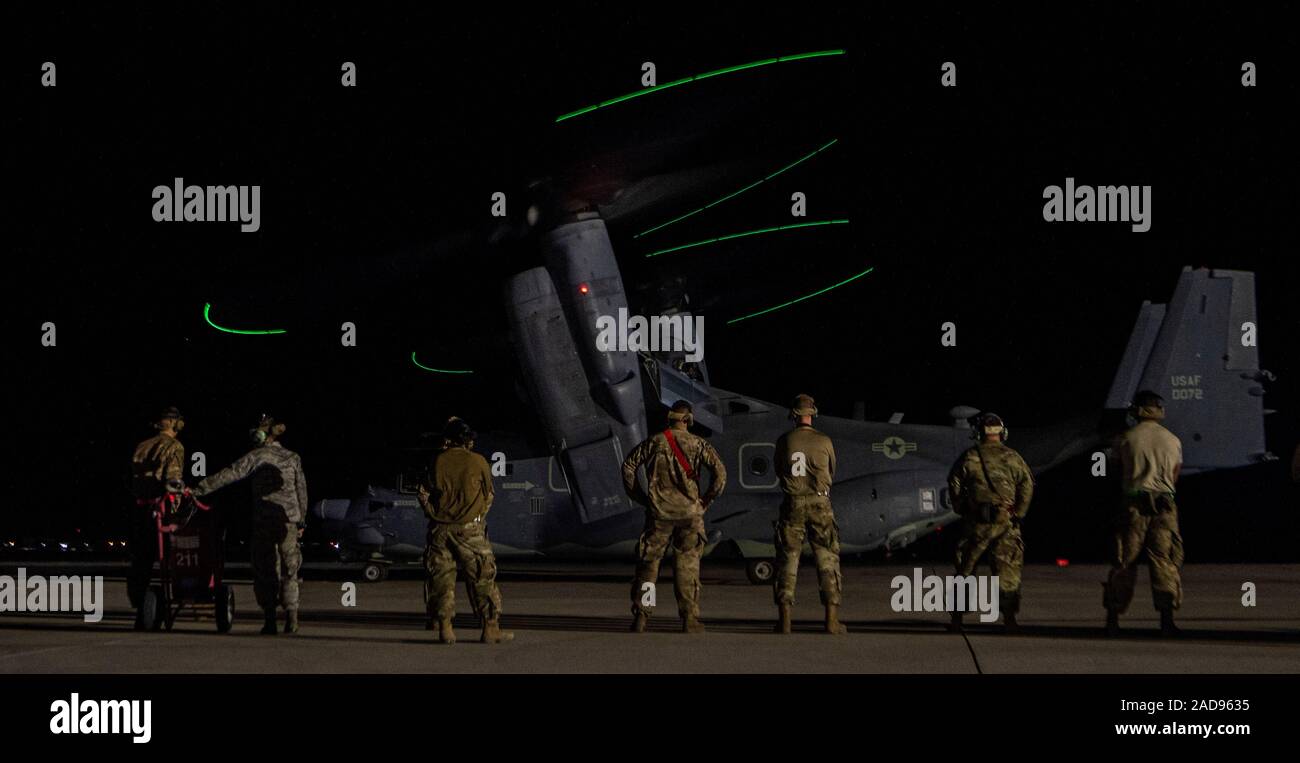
(1200, 353)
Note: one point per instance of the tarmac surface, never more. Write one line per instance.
(574, 619)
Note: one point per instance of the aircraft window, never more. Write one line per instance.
(754, 464)
(409, 480)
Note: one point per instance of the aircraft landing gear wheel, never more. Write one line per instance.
(375, 572)
(224, 602)
(760, 571)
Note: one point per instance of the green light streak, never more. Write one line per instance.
(747, 233)
(436, 370)
(800, 299)
(207, 307)
(706, 75)
(742, 190)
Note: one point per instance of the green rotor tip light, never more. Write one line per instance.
(207, 308)
(747, 233)
(436, 370)
(801, 299)
(706, 75)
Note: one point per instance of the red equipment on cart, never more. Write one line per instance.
(191, 565)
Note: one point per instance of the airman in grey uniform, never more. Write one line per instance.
(279, 511)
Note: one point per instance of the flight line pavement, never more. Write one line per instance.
(574, 619)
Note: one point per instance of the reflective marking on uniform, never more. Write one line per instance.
(893, 447)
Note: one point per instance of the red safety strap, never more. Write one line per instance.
(681, 457)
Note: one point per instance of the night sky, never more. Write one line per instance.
(375, 210)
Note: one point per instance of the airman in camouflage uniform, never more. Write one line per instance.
(805, 461)
(674, 511)
(1152, 458)
(991, 487)
(279, 511)
(456, 497)
(157, 468)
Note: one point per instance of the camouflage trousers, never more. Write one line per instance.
(144, 552)
(811, 518)
(276, 559)
(688, 539)
(1146, 523)
(1006, 551)
(467, 545)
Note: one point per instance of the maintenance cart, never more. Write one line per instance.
(191, 565)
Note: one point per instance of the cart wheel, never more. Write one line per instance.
(153, 610)
(760, 571)
(224, 601)
(375, 572)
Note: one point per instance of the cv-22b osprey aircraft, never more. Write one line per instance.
(595, 405)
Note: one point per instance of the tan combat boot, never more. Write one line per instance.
(492, 633)
(445, 633)
(1009, 623)
(1010, 608)
(833, 624)
(692, 624)
(783, 619)
(954, 625)
(1112, 623)
(1167, 627)
(291, 621)
(639, 622)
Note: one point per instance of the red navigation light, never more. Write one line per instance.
(583, 289)
(1062, 562)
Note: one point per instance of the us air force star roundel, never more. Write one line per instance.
(893, 447)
